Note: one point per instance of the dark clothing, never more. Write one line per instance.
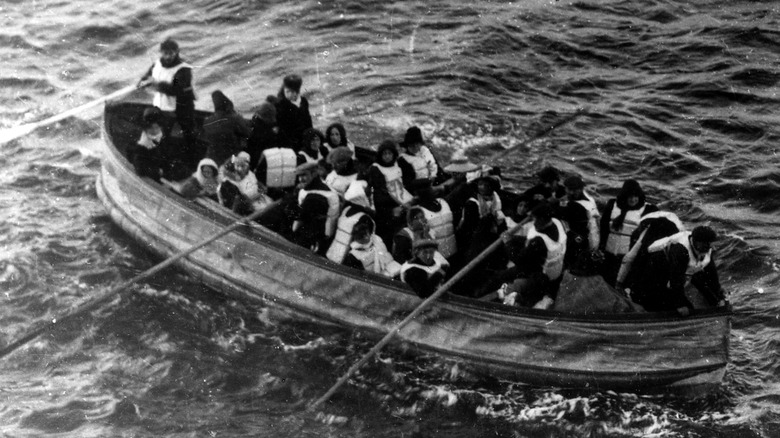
(224, 133)
(148, 162)
(292, 121)
(181, 87)
(386, 223)
(540, 192)
(313, 214)
(419, 280)
(408, 175)
(659, 284)
(261, 138)
(611, 265)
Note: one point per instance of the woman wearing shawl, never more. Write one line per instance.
(203, 182)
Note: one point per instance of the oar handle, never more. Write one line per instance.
(109, 295)
(427, 302)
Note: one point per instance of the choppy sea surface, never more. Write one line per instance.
(681, 96)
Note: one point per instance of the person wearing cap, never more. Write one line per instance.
(239, 188)
(335, 136)
(538, 260)
(225, 131)
(390, 196)
(425, 272)
(317, 212)
(580, 212)
(292, 112)
(171, 79)
(264, 132)
(367, 252)
(344, 172)
(671, 264)
(621, 217)
(311, 147)
(416, 160)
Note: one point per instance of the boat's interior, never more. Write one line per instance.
(122, 127)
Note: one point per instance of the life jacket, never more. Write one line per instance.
(420, 165)
(442, 229)
(683, 238)
(165, 74)
(593, 220)
(339, 183)
(430, 270)
(375, 258)
(618, 241)
(553, 264)
(671, 217)
(333, 207)
(309, 158)
(394, 183)
(494, 207)
(340, 245)
(280, 167)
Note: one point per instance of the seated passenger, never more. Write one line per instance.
(343, 173)
(652, 227)
(336, 136)
(349, 218)
(547, 188)
(238, 187)
(276, 169)
(204, 182)
(225, 131)
(482, 220)
(264, 133)
(318, 210)
(149, 157)
(538, 260)
(621, 217)
(580, 212)
(424, 273)
(390, 195)
(309, 151)
(439, 217)
(292, 113)
(671, 262)
(416, 229)
(457, 190)
(367, 252)
(416, 160)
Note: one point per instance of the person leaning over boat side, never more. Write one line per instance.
(238, 188)
(439, 217)
(147, 157)
(265, 133)
(620, 218)
(344, 171)
(425, 272)
(318, 210)
(292, 113)
(225, 131)
(171, 78)
(538, 257)
(311, 142)
(367, 252)
(204, 182)
(390, 196)
(673, 262)
(416, 160)
(335, 136)
(580, 212)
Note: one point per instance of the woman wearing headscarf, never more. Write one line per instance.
(621, 217)
(203, 182)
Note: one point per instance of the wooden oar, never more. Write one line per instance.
(9, 134)
(95, 302)
(428, 301)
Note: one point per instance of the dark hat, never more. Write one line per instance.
(425, 243)
(493, 180)
(306, 168)
(221, 102)
(420, 186)
(548, 174)
(169, 44)
(574, 182)
(704, 234)
(267, 113)
(413, 136)
(460, 165)
(152, 115)
(293, 82)
(542, 210)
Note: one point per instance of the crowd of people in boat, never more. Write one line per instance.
(403, 216)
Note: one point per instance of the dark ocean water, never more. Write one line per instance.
(681, 96)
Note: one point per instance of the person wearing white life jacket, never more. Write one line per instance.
(439, 216)
(171, 79)
(238, 187)
(311, 141)
(580, 212)
(357, 210)
(673, 262)
(621, 216)
(416, 160)
(424, 273)
(367, 252)
(317, 212)
(335, 136)
(390, 196)
(538, 260)
(416, 229)
(482, 220)
(344, 171)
